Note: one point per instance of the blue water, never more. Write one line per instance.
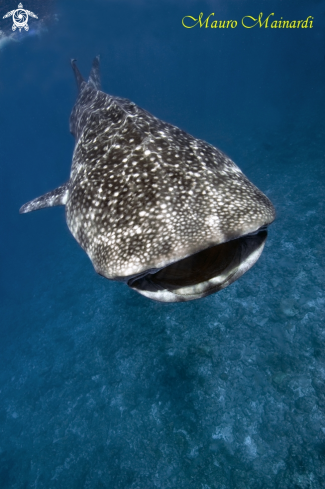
(102, 388)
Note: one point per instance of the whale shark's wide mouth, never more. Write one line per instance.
(202, 273)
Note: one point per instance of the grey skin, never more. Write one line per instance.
(152, 206)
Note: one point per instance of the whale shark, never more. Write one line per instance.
(166, 213)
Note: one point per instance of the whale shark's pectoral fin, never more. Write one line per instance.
(58, 196)
(94, 76)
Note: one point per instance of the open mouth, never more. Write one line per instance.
(202, 273)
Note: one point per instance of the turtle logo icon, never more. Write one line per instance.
(20, 18)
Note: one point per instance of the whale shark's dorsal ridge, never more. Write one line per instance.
(169, 214)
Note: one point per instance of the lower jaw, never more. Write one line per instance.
(203, 273)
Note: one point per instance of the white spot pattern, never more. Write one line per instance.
(144, 193)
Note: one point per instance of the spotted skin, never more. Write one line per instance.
(143, 194)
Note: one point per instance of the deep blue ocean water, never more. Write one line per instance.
(102, 388)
